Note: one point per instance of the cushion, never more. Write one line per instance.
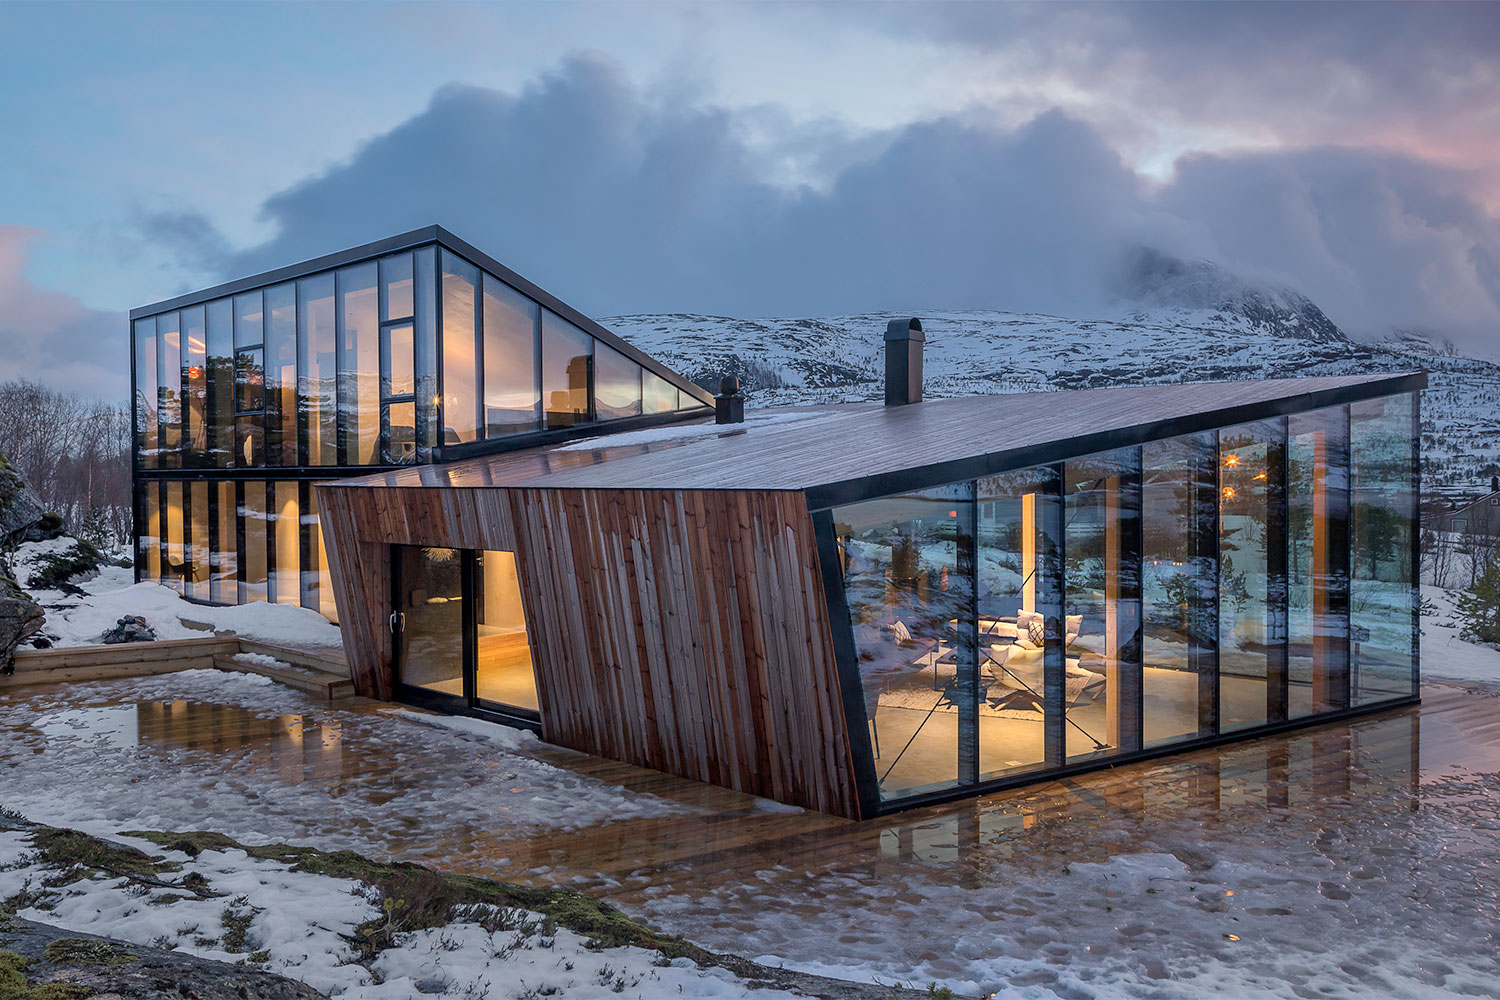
(1069, 640)
(1027, 644)
(1074, 624)
(1036, 630)
(903, 634)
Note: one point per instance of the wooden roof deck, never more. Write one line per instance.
(841, 452)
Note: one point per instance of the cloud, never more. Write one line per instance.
(192, 238)
(619, 201)
(53, 338)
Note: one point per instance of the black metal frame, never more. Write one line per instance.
(1210, 734)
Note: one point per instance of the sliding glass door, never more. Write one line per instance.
(460, 631)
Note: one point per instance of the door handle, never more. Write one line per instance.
(398, 622)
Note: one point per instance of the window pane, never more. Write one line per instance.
(1019, 565)
(503, 673)
(281, 375)
(198, 549)
(317, 584)
(249, 381)
(253, 516)
(617, 384)
(175, 570)
(1317, 562)
(911, 608)
(460, 351)
(400, 367)
(359, 365)
(657, 394)
(395, 287)
(249, 321)
(1383, 595)
(149, 545)
(1102, 630)
(223, 588)
(146, 394)
(194, 387)
(1251, 572)
(221, 384)
(286, 583)
(430, 599)
(1180, 512)
(318, 378)
(401, 437)
(511, 404)
(424, 292)
(169, 371)
(249, 437)
(566, 358)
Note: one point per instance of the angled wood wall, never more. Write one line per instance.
(684, 631)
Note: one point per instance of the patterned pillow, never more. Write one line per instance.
(903, 634)
(1036, 630)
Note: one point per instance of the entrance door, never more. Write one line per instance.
(429, 622)
(461, 638)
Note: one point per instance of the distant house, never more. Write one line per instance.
(1478, 517)
(854, 608)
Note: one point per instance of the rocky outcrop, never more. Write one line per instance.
(20, 619)
(20, 508)
(131, 628)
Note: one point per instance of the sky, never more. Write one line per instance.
(751, 159)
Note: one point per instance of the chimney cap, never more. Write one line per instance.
(729, 385)
(905, 329)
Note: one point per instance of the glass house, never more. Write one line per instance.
(862, 608)
(414, 350)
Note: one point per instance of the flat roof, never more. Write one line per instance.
(845, 452)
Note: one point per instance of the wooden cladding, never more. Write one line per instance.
(685, 631)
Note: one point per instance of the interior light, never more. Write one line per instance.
(1229, 493)
(1231, 460)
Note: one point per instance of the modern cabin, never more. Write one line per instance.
(413, 350)
(854, 609)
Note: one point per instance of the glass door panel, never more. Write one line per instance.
(503, 674)
(430, 624)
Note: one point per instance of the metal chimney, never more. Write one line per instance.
(729, 404)
(903, 361)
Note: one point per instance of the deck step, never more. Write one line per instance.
(320, 684)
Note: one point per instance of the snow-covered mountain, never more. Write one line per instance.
(1193, 334)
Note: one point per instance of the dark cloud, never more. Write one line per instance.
(52, 338)
(618, 202)
(190, 236)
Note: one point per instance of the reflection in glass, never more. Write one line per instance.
(249, 382)
(198, 549)
(225, 565)
(150, 543)
(401, 437)
(254, 585)
(317, 585)
(566, 358)
(1383, 592)
(194, 387)
(146, 393)
(1317, 562)
(1252, 547)
(249, 321)
(424, 307)
(617, 384)
(430, 601)
(460, 350)
(317, 342)
(174, 572)
(657, 394)
(503, 672)
(281, 375)
(1102, 624)
(221, 384)
(909, 584)
(286, 583)
(511, 403)
(1179, 523)
(169, 407)
(395, 287)
(400, 372)
(359, 364)
(1020, 610)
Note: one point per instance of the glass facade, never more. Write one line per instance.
(243, 402)
(1128, 600)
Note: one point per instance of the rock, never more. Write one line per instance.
(57, 570)
(19, 620)
(131, 628)
(20, 508)
(49, 527)
(41, 642)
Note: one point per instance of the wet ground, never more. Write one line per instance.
(1360, 859)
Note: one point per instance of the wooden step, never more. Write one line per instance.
(321, 684)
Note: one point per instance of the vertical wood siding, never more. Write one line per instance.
(684, 631)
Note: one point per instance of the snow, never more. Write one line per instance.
(681, 433)
(300, 925)
(1446, 655)
(113, 738)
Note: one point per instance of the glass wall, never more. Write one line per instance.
(1382, 449)
(503, 674)
(1117, 602)
(377, 363)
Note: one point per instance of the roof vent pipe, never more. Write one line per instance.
(729, 404)
(903, 361)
